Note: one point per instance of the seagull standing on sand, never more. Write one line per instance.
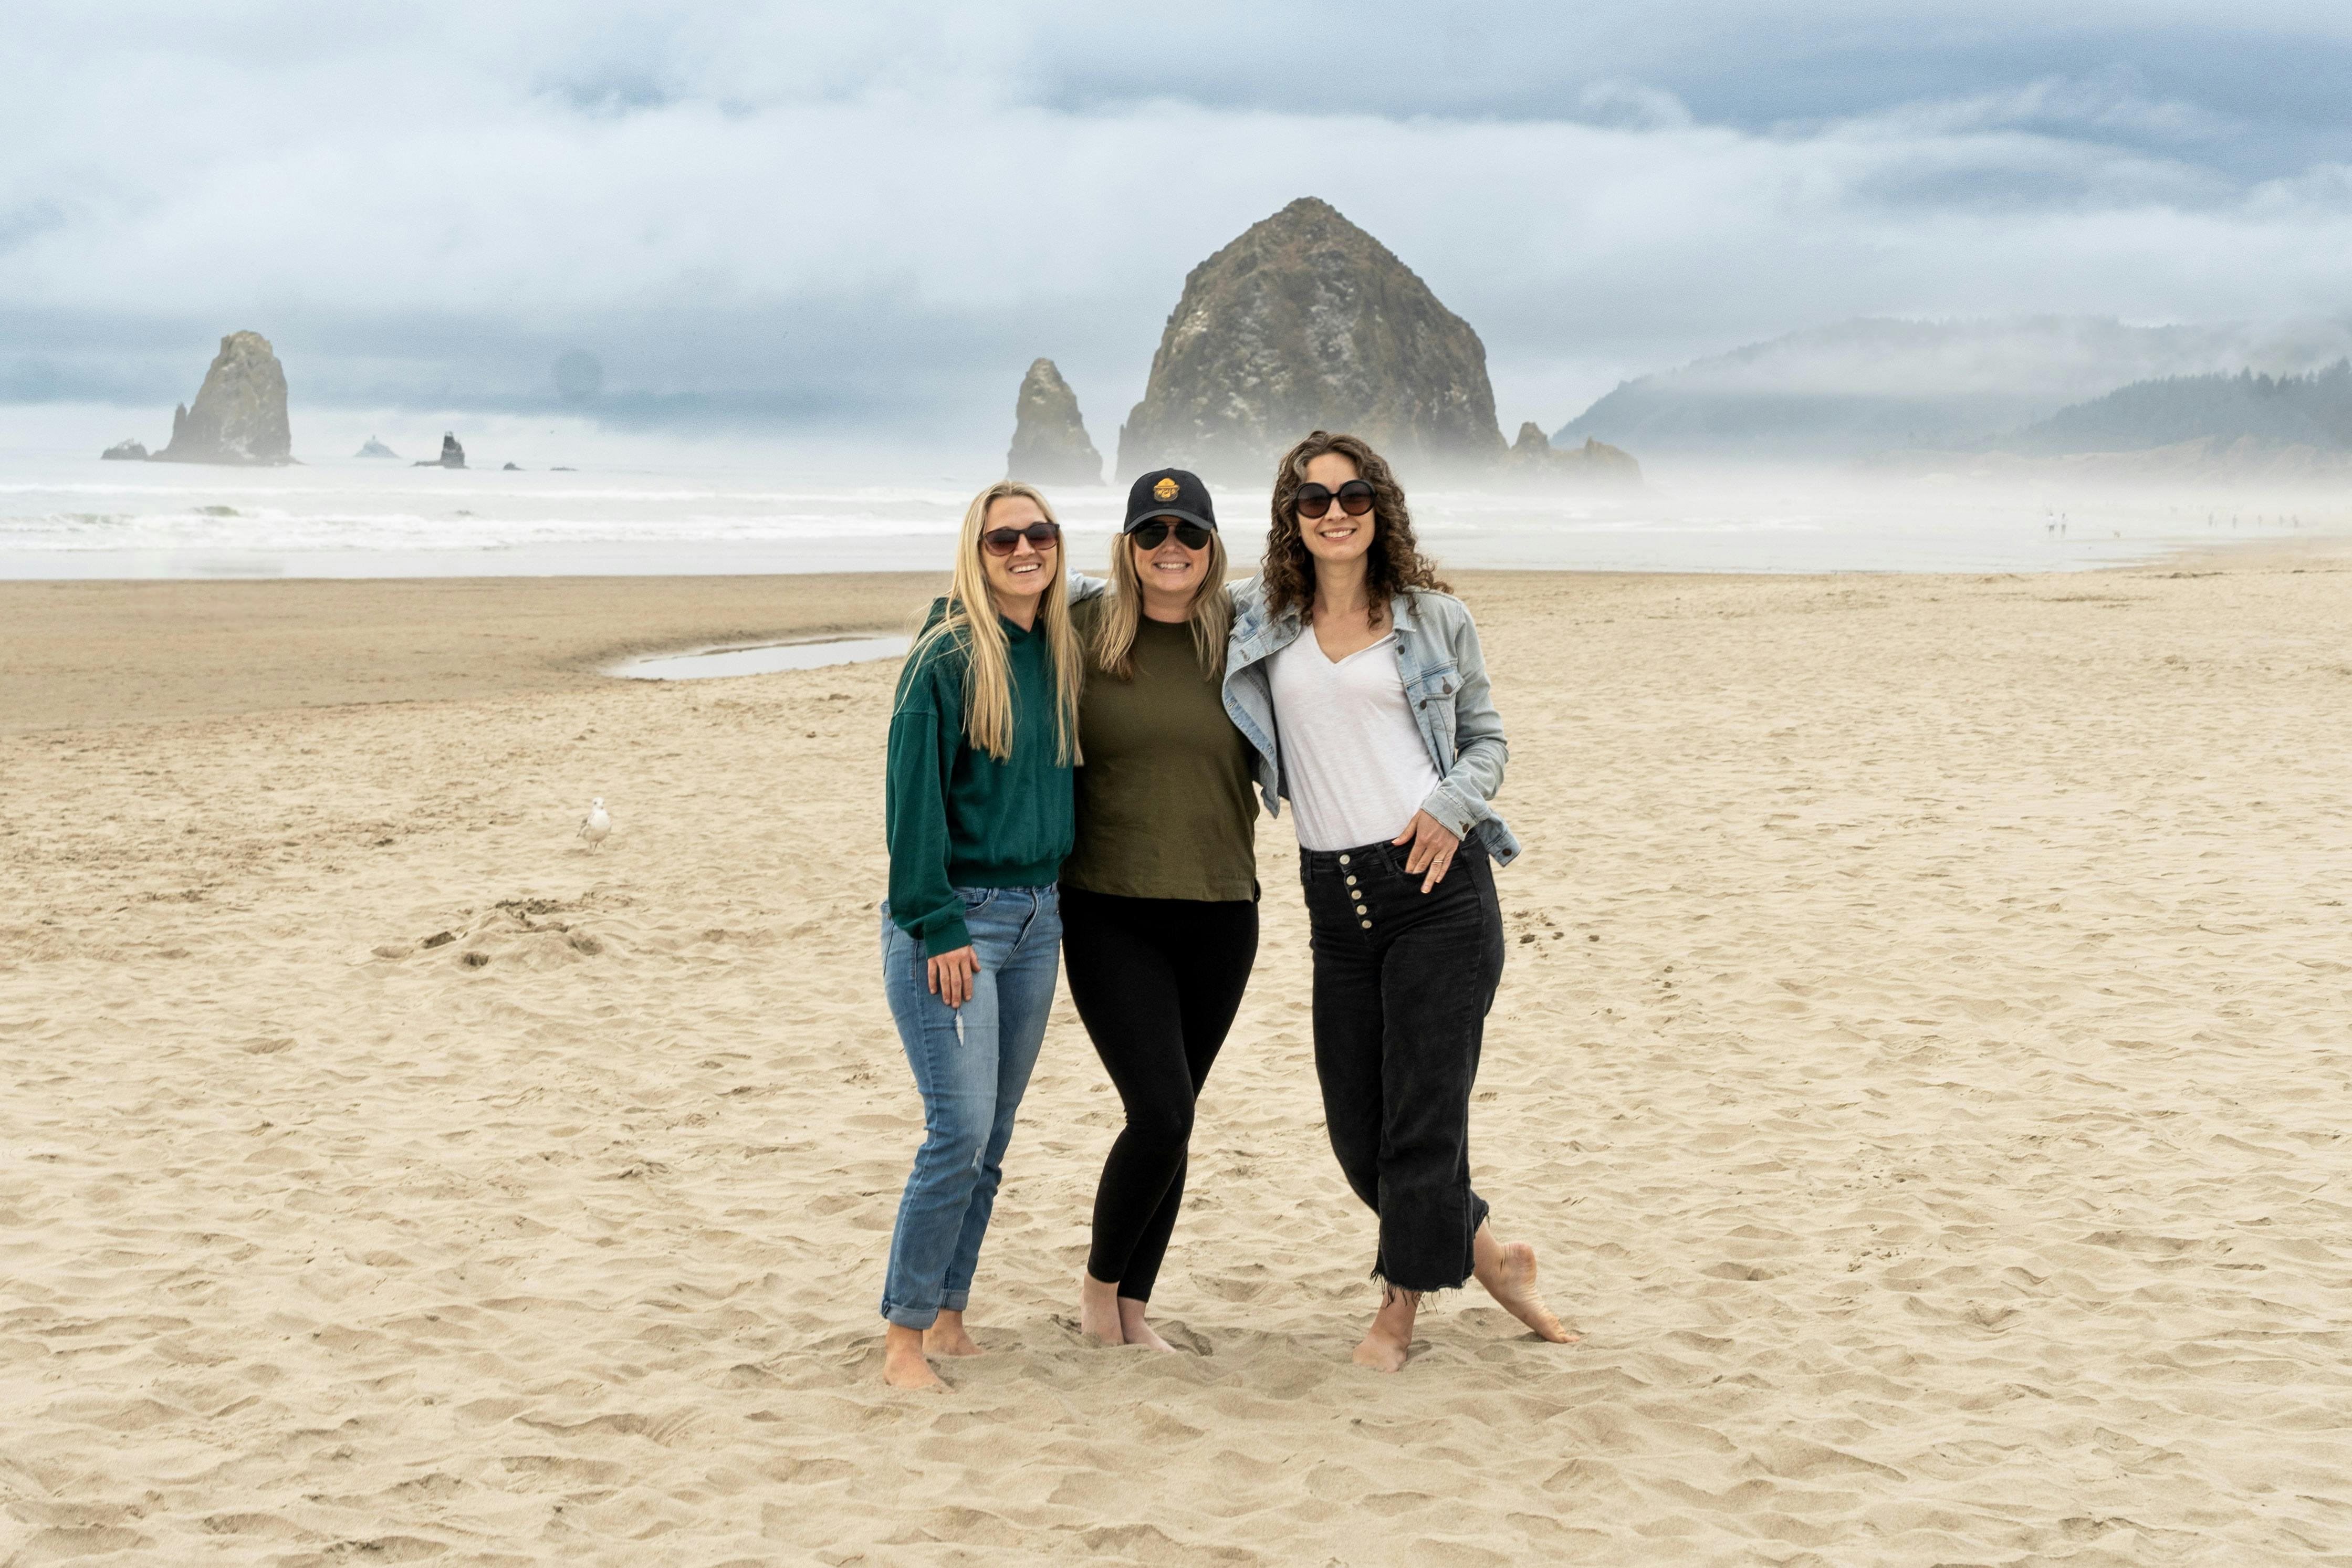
(596, 824)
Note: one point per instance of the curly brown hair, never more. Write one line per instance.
(1394, 561)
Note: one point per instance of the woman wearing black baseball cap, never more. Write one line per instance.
(1159, 892)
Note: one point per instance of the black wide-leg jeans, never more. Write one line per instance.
(1402, 983)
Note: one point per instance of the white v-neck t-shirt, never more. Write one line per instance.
(1351, 754)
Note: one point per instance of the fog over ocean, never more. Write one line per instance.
(690, 507)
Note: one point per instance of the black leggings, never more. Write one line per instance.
(1157, 982)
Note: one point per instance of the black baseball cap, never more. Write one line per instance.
(1169, 492)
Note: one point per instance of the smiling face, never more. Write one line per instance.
(1017, 579)
(1169, 576)
(1335, 536)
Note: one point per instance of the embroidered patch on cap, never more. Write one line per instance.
(1165, 489)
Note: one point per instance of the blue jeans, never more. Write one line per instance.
(972, 1065)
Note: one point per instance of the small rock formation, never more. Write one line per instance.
(126, 452)
(375, 448)
(1049, 437)
(452, 455)
(1533, 461)
(239, 416)
(509, 468)
(1305, 322)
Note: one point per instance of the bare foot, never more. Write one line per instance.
(1509, 1273)
(903, 1366)
(1137, 1332)
(1098, 1313)
(1388, 1341)
(946, 1336)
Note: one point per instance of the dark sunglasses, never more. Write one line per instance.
(1005, 541)
(1190, 536)
(1355, 499)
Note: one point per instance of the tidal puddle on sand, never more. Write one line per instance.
(763, 658)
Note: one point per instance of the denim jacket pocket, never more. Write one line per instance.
(1431, 697)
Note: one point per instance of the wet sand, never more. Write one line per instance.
(1921, 1066)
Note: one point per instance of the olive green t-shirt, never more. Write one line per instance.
(1163, 798)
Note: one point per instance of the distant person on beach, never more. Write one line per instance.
(983, 736)
(1160, 896)
(1360, 684)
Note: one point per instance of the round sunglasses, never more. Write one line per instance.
(1044, 536)
(1190, 536)
(1355, 499)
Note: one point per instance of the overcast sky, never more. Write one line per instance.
(829, 219)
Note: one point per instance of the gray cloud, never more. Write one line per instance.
(801, 218)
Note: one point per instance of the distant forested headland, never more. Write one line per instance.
(2314, 410)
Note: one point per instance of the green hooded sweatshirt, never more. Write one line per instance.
(953, 815)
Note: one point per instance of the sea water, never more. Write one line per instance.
(760, 659)
(79, 517)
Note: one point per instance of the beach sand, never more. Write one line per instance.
(1922, 1066)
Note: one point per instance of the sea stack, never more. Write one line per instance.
(452, 455)
(1535, 463)
(1049, 437)
(375, 448)
(1308, 323)
(239, 416)
(126, 452)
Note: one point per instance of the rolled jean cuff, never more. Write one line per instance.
(912, 1317)
(954, 1300)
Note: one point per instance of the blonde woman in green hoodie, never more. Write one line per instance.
(983, 736)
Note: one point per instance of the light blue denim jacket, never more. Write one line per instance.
(1445, 684)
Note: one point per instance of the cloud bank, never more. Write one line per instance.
(781, 217)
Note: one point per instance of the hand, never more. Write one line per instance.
(951, 976)
(1432, 849)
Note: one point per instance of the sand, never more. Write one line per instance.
(1922, 1067)
(109, 652)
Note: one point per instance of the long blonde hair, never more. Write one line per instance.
(1211, 617)
(972, 629)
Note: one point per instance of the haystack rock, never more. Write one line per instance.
(1049, 438)
(375, 448)
(239, 414)
(1533, 461)
(126, 452)
(452, 455)
(1305, 322)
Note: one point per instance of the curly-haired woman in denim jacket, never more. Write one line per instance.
(1360, 682)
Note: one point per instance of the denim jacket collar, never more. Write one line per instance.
(1446, 682)
(1258, 635)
